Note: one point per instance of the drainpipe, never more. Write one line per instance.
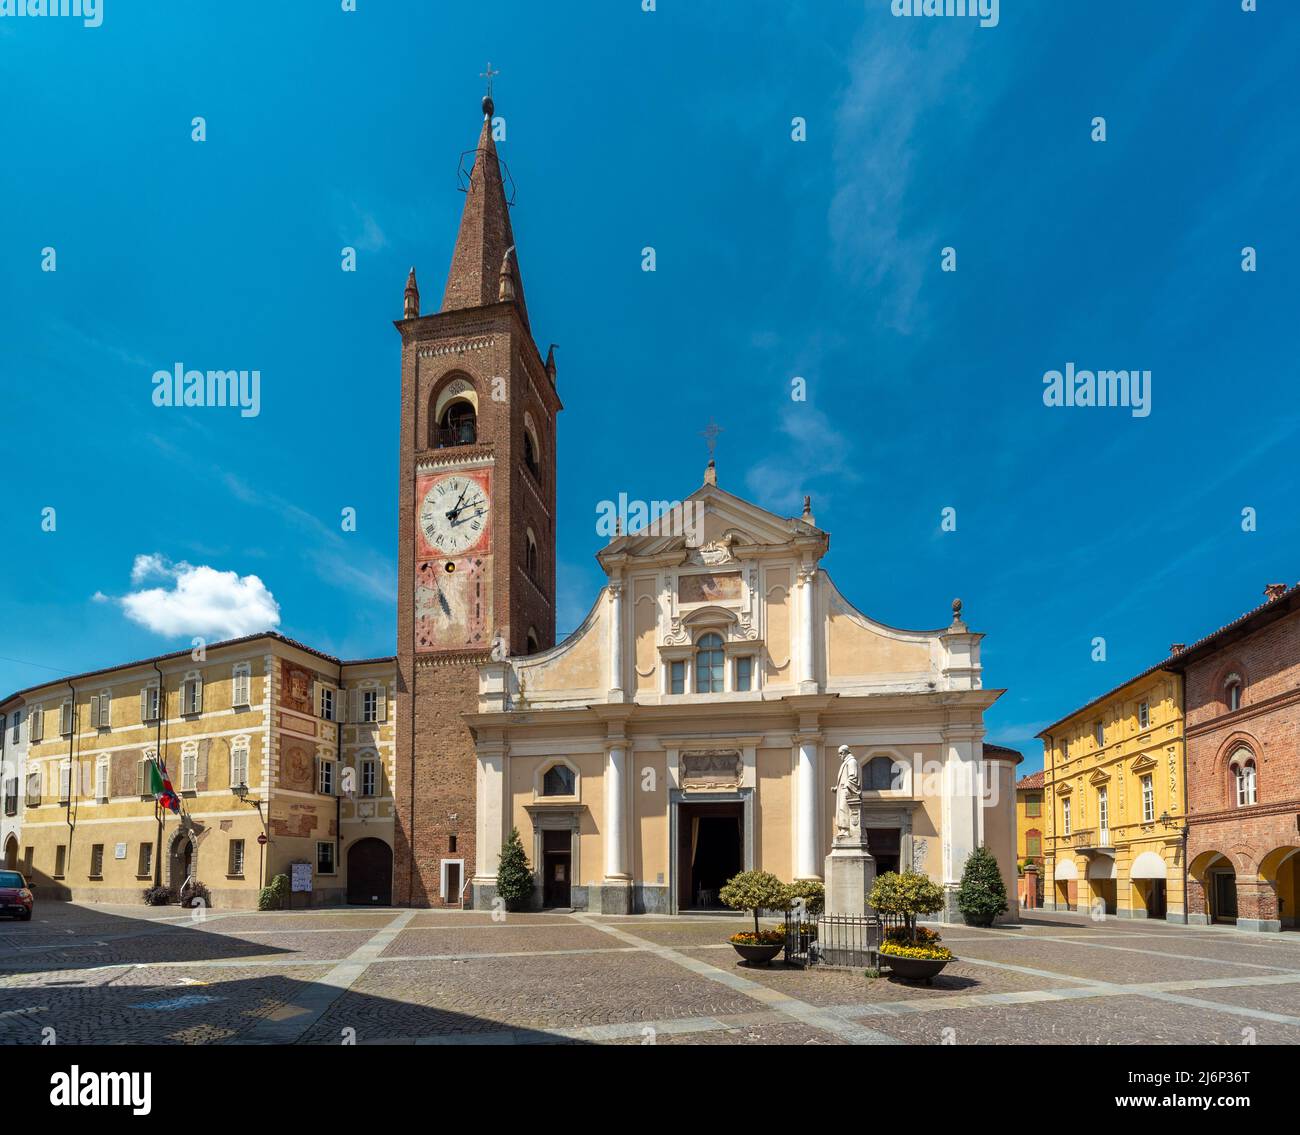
(338, 798)
(70, 816)
(157, 807)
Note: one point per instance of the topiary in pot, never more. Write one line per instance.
(898, 899)
(982, 895)
(514, 877)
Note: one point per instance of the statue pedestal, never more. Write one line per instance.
(843, 938)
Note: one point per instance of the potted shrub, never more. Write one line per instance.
(912, 952)
(807, 900)
(514, 877)
(982, 895)
(756, 891)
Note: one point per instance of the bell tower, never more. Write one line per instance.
(476, 523)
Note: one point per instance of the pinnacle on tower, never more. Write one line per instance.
(411, 300)
(484, 267)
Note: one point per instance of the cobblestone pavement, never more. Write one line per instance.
(104, 974)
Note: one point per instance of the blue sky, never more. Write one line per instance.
(775, 259)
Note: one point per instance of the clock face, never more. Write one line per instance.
(454, 514)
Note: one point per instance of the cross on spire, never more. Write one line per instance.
(710, 436)
(489, 74)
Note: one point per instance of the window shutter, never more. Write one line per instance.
(139, 777)
(341, 705)
(318, 764)
(198, 695)
(316, 697)
(381, 697)
(36, 724)
(144, 704)
(201, 768)
(358, 705)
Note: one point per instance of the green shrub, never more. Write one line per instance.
(514, 877)
(159, 896)
(274, 896)
(982, 895)
(813, 893)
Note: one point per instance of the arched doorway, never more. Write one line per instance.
(1280, 868)
(1102, 885)
(11, 854)
(370, 873)
(182, 860)
(1148, 875)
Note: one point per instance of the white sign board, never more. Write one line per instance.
(300, 877)
(119, 851)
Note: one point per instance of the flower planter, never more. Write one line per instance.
(915, 969)
(764, 952)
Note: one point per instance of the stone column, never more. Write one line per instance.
(490, 821)
(615, 893)
(961, 811)
(807, 631)
(615, 640)
(807, 788)
(1257, 905)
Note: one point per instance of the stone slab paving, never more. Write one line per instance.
(137, 974)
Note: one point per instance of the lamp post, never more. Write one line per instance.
(241, 791)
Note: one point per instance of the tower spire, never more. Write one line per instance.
(484, 266)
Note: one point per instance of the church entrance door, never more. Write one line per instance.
(710, 852)
(557, 868)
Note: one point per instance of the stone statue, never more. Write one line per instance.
(848, 783)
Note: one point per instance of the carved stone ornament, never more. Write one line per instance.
(711, 769)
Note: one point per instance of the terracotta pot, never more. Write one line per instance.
(762, 953)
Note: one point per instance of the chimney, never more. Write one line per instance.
(1274, 591)
(1177, 647)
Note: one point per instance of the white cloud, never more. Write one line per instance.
(198, 600)
(816, 449)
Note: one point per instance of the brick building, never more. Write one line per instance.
(476, 524)
(1242, 697)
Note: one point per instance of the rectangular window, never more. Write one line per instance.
(18, 721)
(144, 865)
(1033, 846)
(1099, 734)
(149, 703)
(35, 724)
(101, 780)
(238, 766)
(1034, 805)
(1148, 800)
(451, 843)
(96, 860)
(325, 778)
(677, 678)
(11, 796)
(325, 858)
(368, 775)
(1144, 714)
(370, 706)
(243, 686)
(192, 696)
(34, 789)
(189, 772)
(65, 718)
(1065, 817)
(1103, 809)
(101, 710)
(65, 783)
(327, 703)
(60, 860)
(236, 857)
(744, 673)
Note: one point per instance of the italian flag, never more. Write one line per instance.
(161, 787)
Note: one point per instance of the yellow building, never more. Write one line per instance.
(279, 754)
(1031, 822)
(1116, 803)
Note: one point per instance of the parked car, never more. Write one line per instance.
(15, 896)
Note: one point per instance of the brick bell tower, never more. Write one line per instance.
(476, 526)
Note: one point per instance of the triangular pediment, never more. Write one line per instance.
(710, 527)
(1101, 776)
(1144, 763)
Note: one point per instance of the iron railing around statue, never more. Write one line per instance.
(833, 939)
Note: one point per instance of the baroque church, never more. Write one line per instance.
(687, 730)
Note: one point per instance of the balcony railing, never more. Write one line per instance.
(463, 434)
(1092, 837)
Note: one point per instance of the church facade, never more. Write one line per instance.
(689, 728)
